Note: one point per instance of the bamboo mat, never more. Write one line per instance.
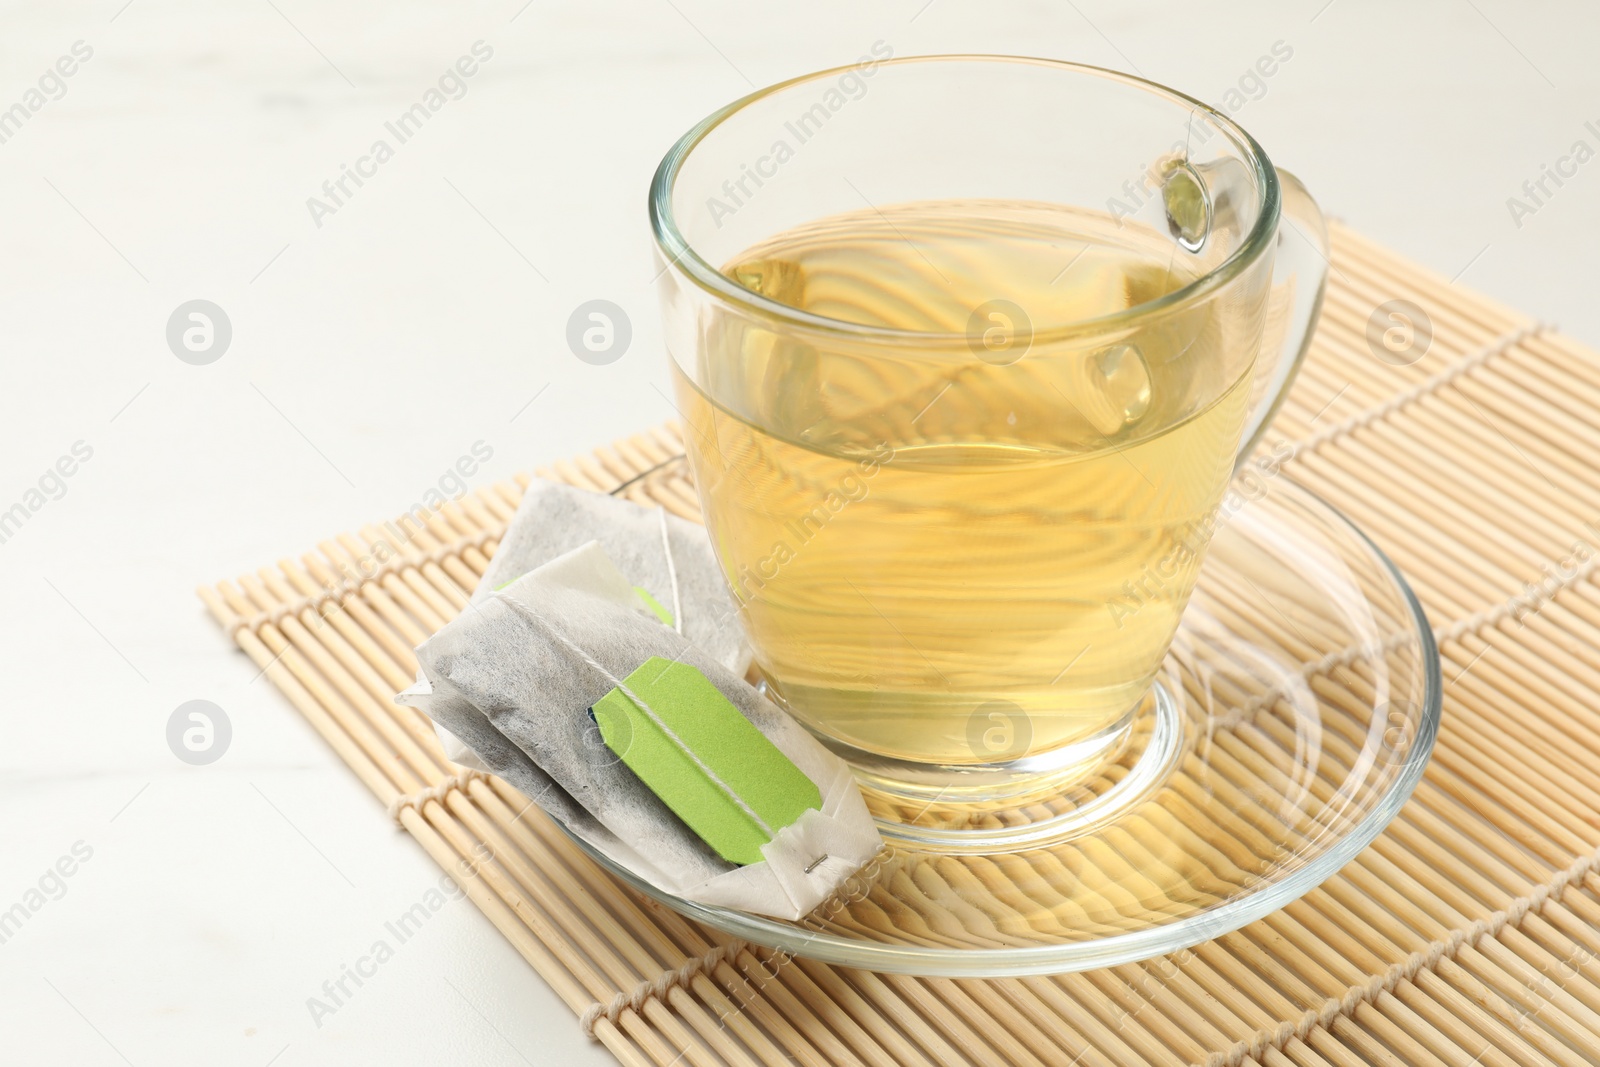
(1467, 933)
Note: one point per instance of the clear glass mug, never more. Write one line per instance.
(967, 349)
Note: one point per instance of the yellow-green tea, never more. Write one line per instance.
(968, 548)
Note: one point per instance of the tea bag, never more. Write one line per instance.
(668, 558)
(516, 674)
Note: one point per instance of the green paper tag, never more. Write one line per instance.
(737, 753)
(653, 604)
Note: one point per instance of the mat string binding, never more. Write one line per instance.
(1428, 385)
(347, 585)
(1276, 1037)
(1531, 601)
(438, 791)
(853, 888)
(658, 987)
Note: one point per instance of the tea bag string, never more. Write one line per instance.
(672, 576)
(650, 713)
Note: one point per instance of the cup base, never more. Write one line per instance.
(1027, 802)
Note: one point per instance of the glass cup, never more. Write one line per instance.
(967, 349)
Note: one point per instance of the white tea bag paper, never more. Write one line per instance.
(667, 557)
(515, 676)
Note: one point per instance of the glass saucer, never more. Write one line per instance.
(1292, 718)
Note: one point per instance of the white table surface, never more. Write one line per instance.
(370, 353)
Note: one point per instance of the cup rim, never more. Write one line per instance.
(681, 254)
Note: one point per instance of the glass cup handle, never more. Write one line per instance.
(1299, 277)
